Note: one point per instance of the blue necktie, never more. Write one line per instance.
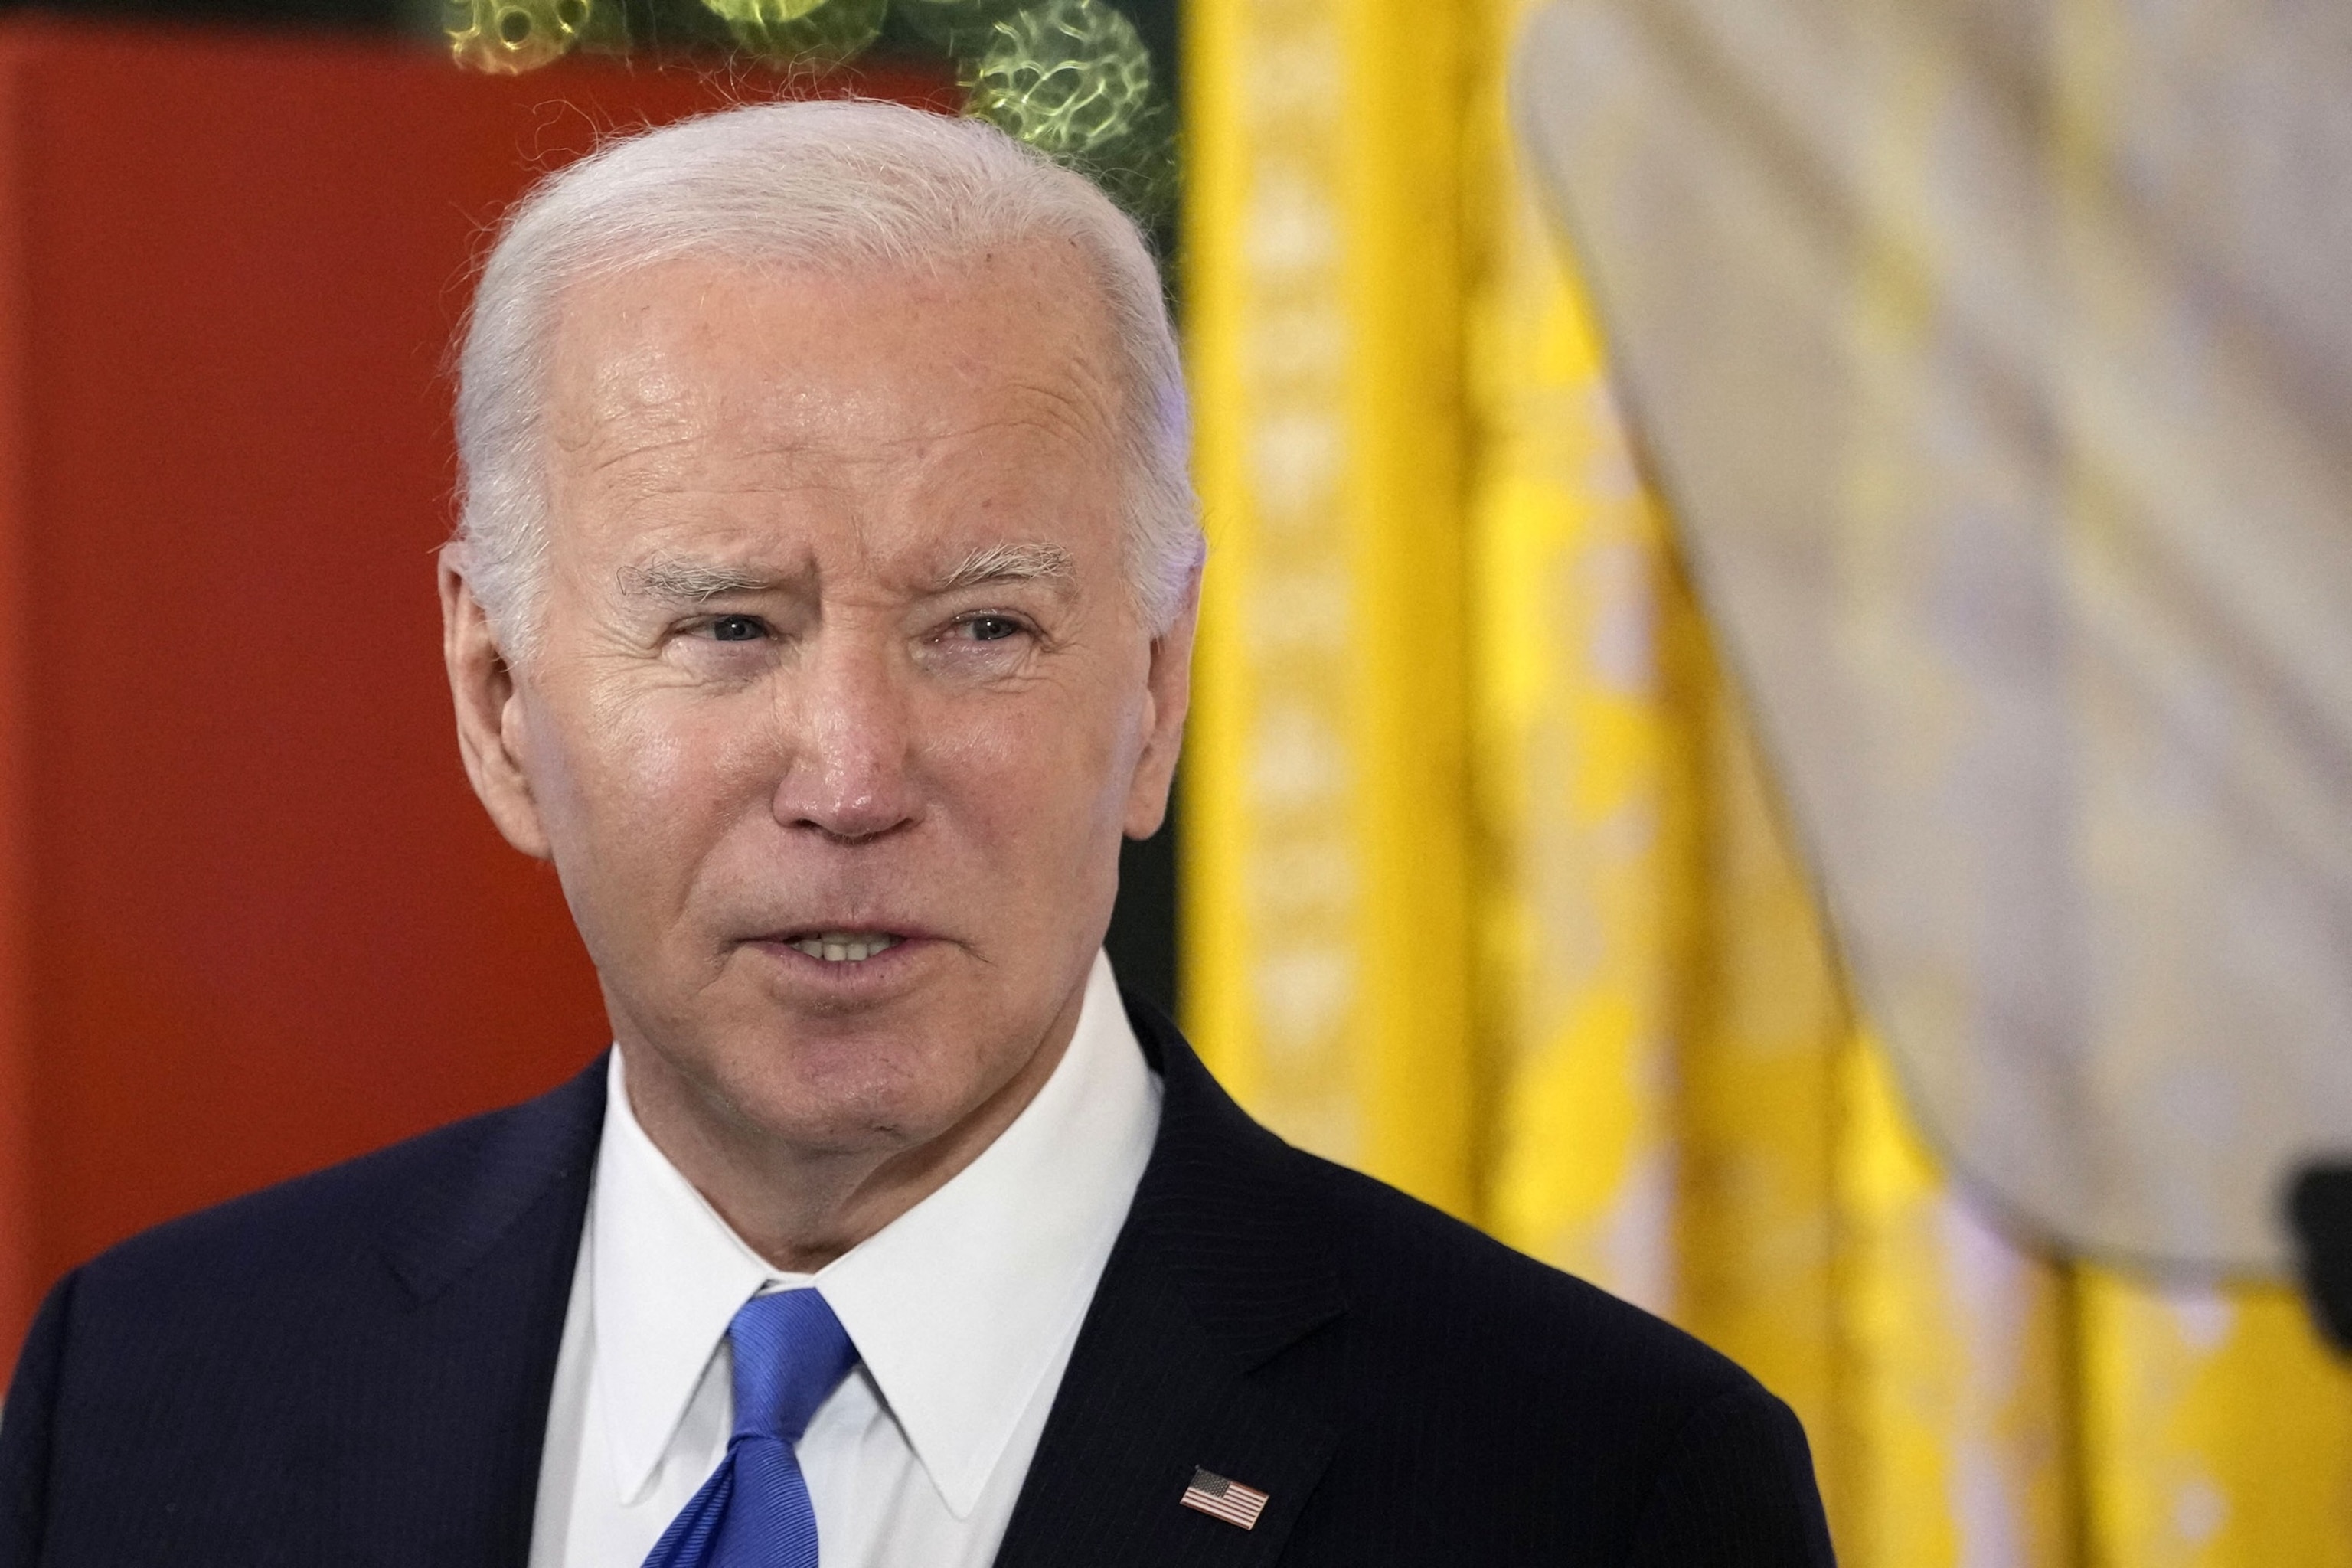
(753, 1512)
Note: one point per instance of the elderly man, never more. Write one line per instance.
(820, 609)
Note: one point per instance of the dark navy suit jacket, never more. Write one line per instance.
(354, 1369)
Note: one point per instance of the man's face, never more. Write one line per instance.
(839, 707)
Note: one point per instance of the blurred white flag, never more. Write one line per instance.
(1996, 356)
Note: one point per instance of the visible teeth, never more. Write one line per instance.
(846, 946)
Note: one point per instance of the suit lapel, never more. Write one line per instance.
(485, 1253)
(1221, 1267)
(528, 1166)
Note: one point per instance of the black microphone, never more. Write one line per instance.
(2320, 1206)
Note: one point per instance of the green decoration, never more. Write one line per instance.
(1071, 78)
(506, 37)
(819, 33)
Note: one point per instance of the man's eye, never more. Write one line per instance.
(738, 629)
(991, 628)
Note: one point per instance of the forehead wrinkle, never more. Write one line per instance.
(940, 455)
(626, 466)
(656, 480)
(1083, 400)
(1061, 414)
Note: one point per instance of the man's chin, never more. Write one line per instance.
(844, 1097)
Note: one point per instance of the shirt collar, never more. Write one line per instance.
(958, 1309)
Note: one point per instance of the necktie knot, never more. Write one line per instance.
(790, 1353)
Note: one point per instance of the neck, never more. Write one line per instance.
(798, 1207)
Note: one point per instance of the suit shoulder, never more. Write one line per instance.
(1425, 1275)
(312, 1221)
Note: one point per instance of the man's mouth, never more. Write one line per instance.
(844, 946)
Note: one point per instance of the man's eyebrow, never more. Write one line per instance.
(1008, 564)
(681, 579)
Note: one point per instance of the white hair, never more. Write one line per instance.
(839, 186)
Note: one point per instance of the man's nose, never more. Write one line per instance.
(849, 744)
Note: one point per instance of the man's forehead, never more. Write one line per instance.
(771, 363)
(1032, 296)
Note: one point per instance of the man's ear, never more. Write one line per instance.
(490, 711)
(1168, 690)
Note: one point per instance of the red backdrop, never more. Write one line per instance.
(251, 919)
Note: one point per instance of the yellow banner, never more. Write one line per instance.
(1324, 923)
(1488, 892)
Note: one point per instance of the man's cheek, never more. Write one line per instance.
(661, 770)
(1026, 782)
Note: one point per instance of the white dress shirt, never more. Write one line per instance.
(963, 1310)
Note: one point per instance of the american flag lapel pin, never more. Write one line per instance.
(1220, 1497)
